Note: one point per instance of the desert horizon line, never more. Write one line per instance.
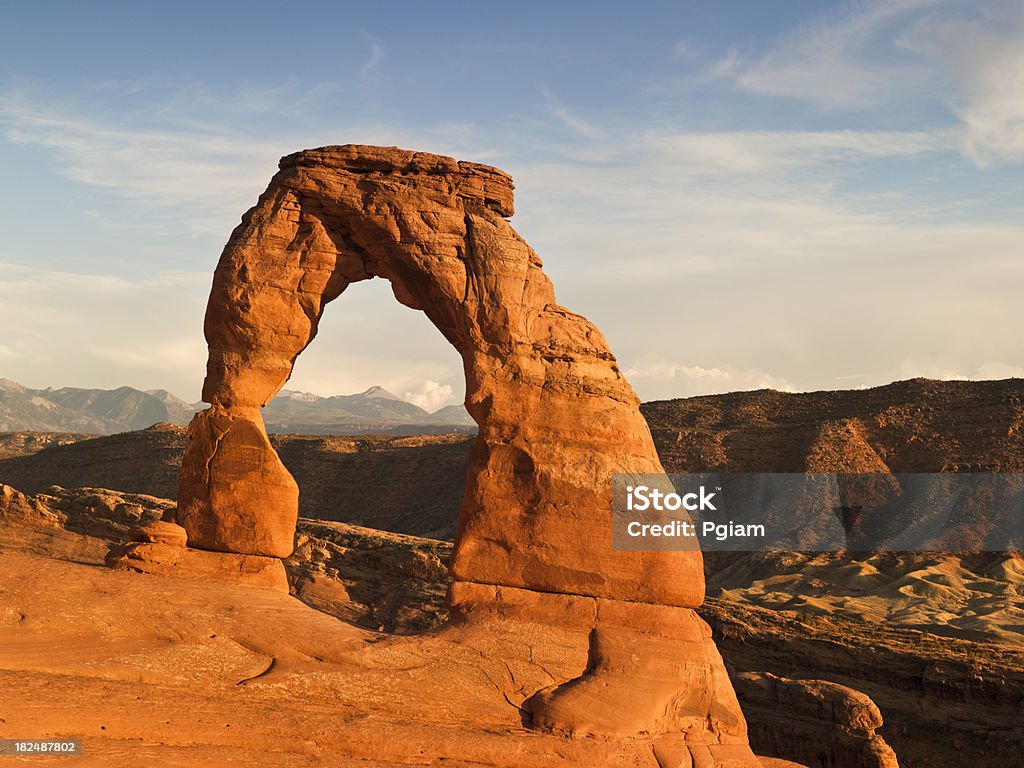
(388, 394)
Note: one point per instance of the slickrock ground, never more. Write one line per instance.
(240, 675)
(939, 696)
(155, 670)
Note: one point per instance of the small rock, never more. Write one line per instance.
(161, 532)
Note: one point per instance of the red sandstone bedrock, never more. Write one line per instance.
(80, 524)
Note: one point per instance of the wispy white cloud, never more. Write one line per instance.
(668, 380)
(210, 173)
(827, 60)
(965, 56)
(761, 152)
(569, 119)
(983, 55)
(431, 395)
(374, 57)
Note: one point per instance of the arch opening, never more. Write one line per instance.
(395, 465)
(365, 340)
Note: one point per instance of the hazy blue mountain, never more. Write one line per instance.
(178, 411)
(71, 409)
(452, 414)
(107, 411)
(121, 408)
(376, 409)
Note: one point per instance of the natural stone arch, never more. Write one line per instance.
(556, 416)
(556, 420)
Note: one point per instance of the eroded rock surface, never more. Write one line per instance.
(556, 416)
(556, 420)
(160, 547)
(235, 495)
(816, 721)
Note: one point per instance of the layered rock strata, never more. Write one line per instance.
(819, 722)
(161, 548)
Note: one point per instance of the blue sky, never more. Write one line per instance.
(740, 194)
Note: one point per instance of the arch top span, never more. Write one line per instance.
(473, 181)
(337, 215)
(556, 416)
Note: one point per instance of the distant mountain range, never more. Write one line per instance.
(375, 410)
(107, 411)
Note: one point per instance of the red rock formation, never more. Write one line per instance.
(231, 470)
(556, 420)
(541, 382)
(160, 547)
(819, 722)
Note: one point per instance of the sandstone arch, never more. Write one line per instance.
(556, 420)
(556, 416)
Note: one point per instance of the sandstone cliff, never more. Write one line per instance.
(919, 425)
